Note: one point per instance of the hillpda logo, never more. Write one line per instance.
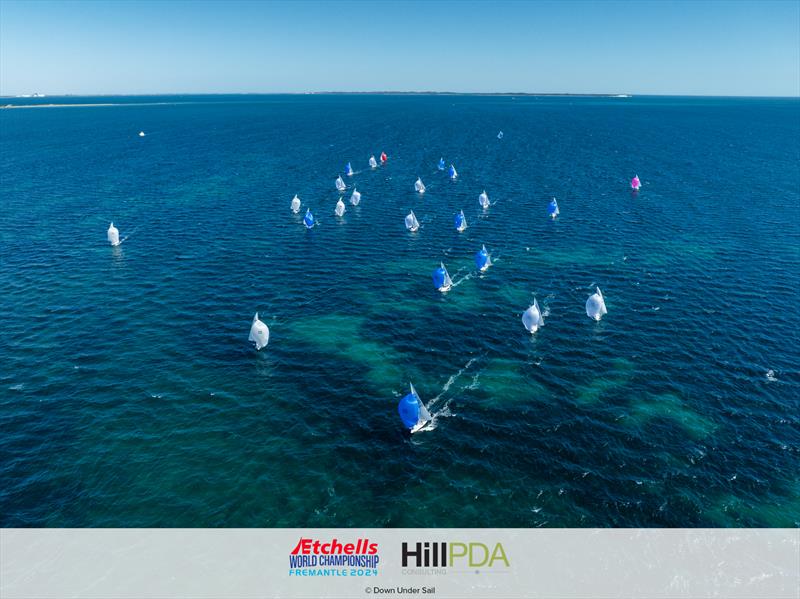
(314, 557)
(429, 557)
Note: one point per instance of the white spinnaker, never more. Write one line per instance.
(113, 234)
(259, 333)
(596, 305)
(340, 208)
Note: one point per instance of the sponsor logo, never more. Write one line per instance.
(440, 555)
(315, 557)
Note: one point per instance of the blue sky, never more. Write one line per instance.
(655, 47)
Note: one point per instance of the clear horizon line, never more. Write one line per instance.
(388, 92)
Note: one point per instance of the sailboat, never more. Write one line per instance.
(500, 135)
(340, 184)
(413, 412)
(483, 200)
(141, 133)
(635, 183)
(419, 186)
(259, 333)
(308, 219)
(453, 174)
(461, 221)
(532, 318)
(412, 224)
(482, 259)
(355, 198)
(339, 208)
(348, 170)
(113, 235)
(384, 158)
(441, 279)
(552, 208)
(441, 166)
(596, 305)
(372, 162)
(295, 204)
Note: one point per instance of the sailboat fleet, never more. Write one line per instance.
(413, 412)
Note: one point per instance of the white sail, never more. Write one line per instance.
(448, 282)
(340, 183)
(372, 162)
(500, 135)
(419, 186)
(412, 224)
(453, 172)
(424, 416)
(355, 198)
(339, 207)
(483, 199)
(596, 305)
(295, 204)
(532, 318)
(141, 133)
(259, 333)
(113, 235)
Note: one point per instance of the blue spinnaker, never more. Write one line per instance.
(408, 408)
(308, 219)
(459, 220)
(481, 258)
(439, 277)
(552, 208)
(441, 164)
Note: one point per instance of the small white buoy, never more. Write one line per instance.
(141, 133)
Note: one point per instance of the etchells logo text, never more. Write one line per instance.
(314, 557)
(430, 557)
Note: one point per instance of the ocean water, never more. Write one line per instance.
(129, 395)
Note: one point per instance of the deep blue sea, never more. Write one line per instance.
(130, 396)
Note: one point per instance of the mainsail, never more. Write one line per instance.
(483, 200)
(372, 162)
(419, 186)
(339, 208)
(355, 198)
(453, 173)
(295, 204)
(340, 183)
(441, 166)
(348, 170)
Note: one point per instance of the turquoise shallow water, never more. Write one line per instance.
(129, 395)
